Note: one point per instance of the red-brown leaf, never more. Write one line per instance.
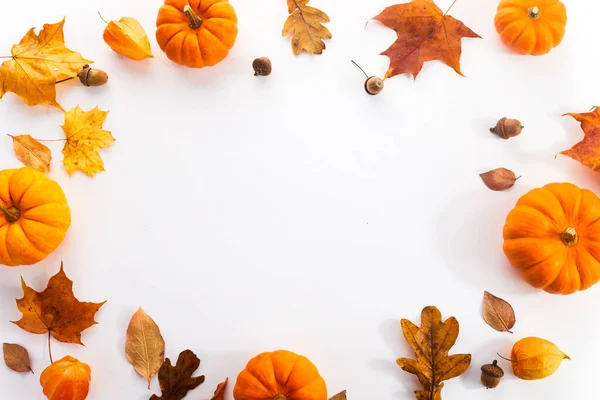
(587, 151)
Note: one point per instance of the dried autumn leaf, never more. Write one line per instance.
(339, 396)
(85, 136)
(16, 357)
(144, 346)
(176, 381)
(431, 344)
(56, 310)
(305, 24)
(32, 153)
(499, 179)
(220, 390)
(587, 151)
(128, 38)
(425, 33)
(37, 62)
(498, 313)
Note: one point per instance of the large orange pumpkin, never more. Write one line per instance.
(552, 237)
(34, 216)
(66, 379)
(531, 26)
(280, 375)
(196, 33)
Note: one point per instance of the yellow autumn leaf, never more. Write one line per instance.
(85, 136)
(128, 38)
(32, 153)
(305, 24)
(36, 63)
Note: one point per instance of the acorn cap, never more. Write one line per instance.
(492, 370)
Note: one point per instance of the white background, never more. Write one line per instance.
(251, 214)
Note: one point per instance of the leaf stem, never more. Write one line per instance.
(49, 347)
(451, 5)
(50, 140)
(102, 18)
(504, 358)
(64, 80)
(363, 71)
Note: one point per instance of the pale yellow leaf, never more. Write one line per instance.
(144, 345)
(32, 153)
(305, 24)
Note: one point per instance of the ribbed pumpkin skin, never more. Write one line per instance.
(43, 221)
(66, 379)
(526, 35)
(280, 373)
(201, 47)
(534, 239)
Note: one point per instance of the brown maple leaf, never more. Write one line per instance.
(431, 344)
(176, 381)
(56, 310)
(36, 63)
(587, 151)
(425, 33)
(305, 24)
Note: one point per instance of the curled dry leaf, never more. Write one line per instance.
(144, 345)
(587, 151)
(32, 153)
(499, 179)
(220, 391)
(176, 381)
(431, 343)
(425, 33)
(128, 38)
(340, 396)
(37, 63)
(305, 24)
(498, 313)
(56, 310)
(16, 357)
(85, 136)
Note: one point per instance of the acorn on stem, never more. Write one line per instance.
(491, 375)
(507, 128)
(92, 76)
(373, 85)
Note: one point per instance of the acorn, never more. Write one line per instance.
(507, 128)
(262, 66)
(491, 375)
(92, 76)
(373, 85)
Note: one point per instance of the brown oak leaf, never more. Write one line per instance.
(305, 23)
(176, 381)
(425, 33)
(56, 310)
(220, 390)
(431, 343)
(587, 151)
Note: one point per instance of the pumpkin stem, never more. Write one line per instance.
(534, 12)
(569, 237)
(12, 213)
(194, 21)
(280, 396)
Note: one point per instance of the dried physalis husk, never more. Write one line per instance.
(507, 128)
(499, 179)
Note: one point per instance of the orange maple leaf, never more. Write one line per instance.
(587, 151)
(425, 33)
(56, 310)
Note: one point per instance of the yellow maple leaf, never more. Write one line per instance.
(36, 63)
(306, 25)
(85, 136)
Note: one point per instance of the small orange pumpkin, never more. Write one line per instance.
(34, 216)
(531, 26)
(280, 375)
(66, 379)
(552, 237)
(196, 33)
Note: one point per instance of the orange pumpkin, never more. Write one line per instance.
(66, 379)
(196, 33)
(531, 26)
(280, 375)
(34, 216)
(552, 237)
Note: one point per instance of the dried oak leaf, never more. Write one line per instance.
(587, 151)
(85, 136)
(431, 344)
(340, 396)
(16, 357)
(499, 179)
(144, 345)
(425, 33)
(32, 153)
(220, 390)
(36, 63)
(498, 313)
(176, 381)
(128, 38)
(56, 310)
(305, 23)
